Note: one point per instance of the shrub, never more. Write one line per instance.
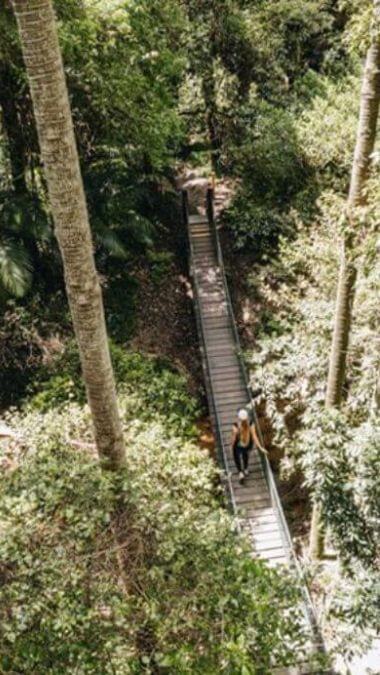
(133, 573)
(253, 226)
(159, 387)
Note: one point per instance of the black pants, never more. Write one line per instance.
(241, 457)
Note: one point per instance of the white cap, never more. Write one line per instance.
(243, 415)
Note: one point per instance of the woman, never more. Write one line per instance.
(243, 438)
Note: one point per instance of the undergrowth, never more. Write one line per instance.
(140, 572)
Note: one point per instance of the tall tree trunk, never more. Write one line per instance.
(365, 143)
(342, 327)
(44, 66)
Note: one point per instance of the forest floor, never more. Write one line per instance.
(165, 324)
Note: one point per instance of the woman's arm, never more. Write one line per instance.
(234, 436)
(257, 441)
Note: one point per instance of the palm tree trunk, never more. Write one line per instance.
(44, 66)
(342, 327)
(365, 143)
(369, 112)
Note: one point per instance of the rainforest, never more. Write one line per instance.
(189, 337)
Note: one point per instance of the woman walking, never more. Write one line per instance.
(244, 437)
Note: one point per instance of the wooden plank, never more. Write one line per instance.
(213, 309)
(201, 249)
(275, 554)
(208, 304)
(251, 499)
(217, 321)
(266, 528)
(220, 348)
(268, 536)
(202, 265)
(207, 282)
(263, 515)
(197, 222)
(217, 338)
(269, 544)
(197, 218)
(200, 235)
(216, 361)
(251, 489)
(221, 343)
(252, 512)
(229, 390)
(217, 335)
(209, 287)
(255, 473)
(214, 328)
(236, 397)
(256, 484)
(263, 523)
(225, 376)
(222, 373)
(228, 416)
(218, 312)
(202, 239)
(199, 227)
(224, 402)
(198, 244)
(200, 232)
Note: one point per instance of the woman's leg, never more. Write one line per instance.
(245, 455)
(237, 458)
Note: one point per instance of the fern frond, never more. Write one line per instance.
(15, 268)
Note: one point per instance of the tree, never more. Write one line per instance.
(365, 143)
(38, 33)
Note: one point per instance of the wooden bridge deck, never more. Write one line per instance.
(227, 389)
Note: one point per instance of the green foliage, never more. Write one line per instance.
(269, 162)
(159, 389)
(270, 159)
(28, 334)
(15, 276)
(330, 469)
(341, 468)
(297, 293)
(292, 36)
(160, 264)
(253, 227)
(24, 222)
(123, 65)
(103, 573)
(327, 130)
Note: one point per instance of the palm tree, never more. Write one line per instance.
(365, 143)
(42, 56)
